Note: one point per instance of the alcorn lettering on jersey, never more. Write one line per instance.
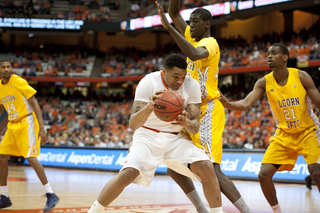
(205, 71)
(14, 96)
(290, 104)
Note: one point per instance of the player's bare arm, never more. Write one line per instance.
(189, 119)
(186, 47)
(247, 102)
(1, 108)
(311, 89)
(139, 113)
(174, 12)
(35, 105)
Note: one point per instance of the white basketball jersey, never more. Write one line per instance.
(153, 82)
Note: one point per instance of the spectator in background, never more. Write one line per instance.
(100, 143)
(256, 144)
(248, 143)
(117, 142)
(225, 144)
(78, 142)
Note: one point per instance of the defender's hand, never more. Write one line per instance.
(163, 17)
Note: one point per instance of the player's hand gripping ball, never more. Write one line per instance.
(168, 106)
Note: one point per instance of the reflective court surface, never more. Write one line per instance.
(78, 189)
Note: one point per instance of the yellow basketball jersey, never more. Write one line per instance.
(14, 96)
(290, 105)
(205, 70)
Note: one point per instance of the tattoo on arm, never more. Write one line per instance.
(137, 106)
(194, 116)
(193, 111)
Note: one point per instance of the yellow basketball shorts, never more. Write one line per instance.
(21, 138)
(285, 148)
(209, 137)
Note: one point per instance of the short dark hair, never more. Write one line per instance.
(205, 14)
(5, 60)
(175, 60)
(283, 48)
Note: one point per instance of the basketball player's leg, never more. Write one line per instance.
(113, 189)
(188, 188)
(4, 169)
(5, 200)
(52, 198)
(278, 157)
(184, 182)
(265, 178)
(116, 185)
(311, 151)
(29, 144)
(140, 166)
(38, 168)
(204, 170)
(8, 148)
(314, 170)
(228, 188)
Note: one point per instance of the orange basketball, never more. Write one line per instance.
(168, 106)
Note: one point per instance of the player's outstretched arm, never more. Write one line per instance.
(311, 89)
(35, 105)
(174, 12)
(139, 113)
(186, 47)
(247, 102)
(189, 119)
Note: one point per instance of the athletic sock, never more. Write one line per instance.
(216, 210)
(242, 206)
(47, 187)
(96, 207)
(4, 190)
(276, 208)
(197, 202)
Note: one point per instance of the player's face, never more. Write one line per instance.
(197, 26)
(275, 57)
(174, 78)
(5, 69)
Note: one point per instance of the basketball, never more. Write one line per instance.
(168, 106)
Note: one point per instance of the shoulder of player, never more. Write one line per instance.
(150, 78)
(146, 77)
(154, 74)
(19, 80)
(261, 83)
(302, 74)
(190, 81)
(304, 78)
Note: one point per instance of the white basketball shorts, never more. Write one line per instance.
(149, 149)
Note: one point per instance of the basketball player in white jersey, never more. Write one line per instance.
(156, 141)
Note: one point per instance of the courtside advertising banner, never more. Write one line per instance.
(111, 159)
(238, 165)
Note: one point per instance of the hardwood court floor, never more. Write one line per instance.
(78, 189)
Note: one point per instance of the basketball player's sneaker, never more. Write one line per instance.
(52, 200)
(5, 202)
(308, 181)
